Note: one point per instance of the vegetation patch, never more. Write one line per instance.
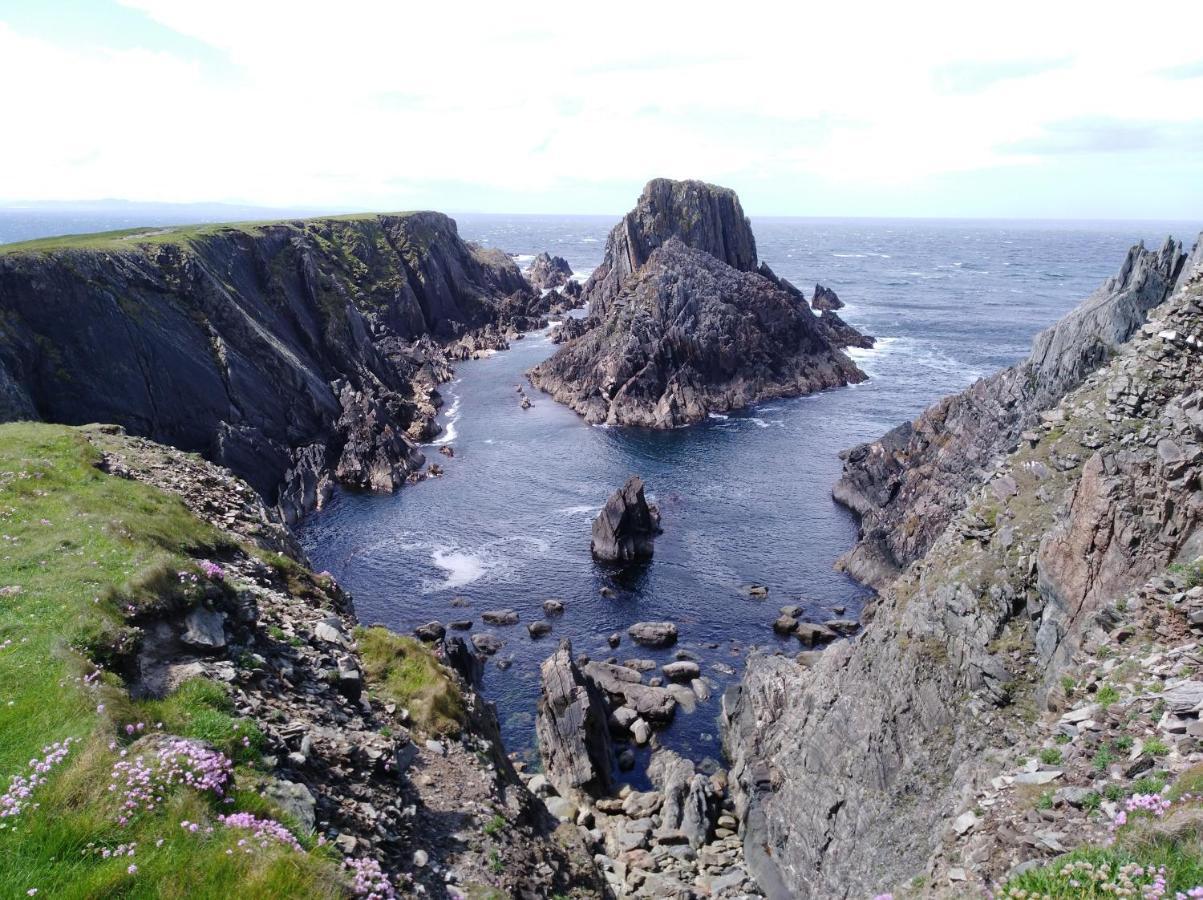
(406, 672)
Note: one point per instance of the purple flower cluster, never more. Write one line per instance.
(142, 782)
(1155, 804)
(368, 880)
(264, 831)
(212, 570)
(21, 787)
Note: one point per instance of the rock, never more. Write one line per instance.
(842, 626)
(653, 634)
(626, 760)
(204, 629)
(460, 625)
(614, 639)
(500, 617)
(457, 655)
(539, 629)
(486, 643)
(562, 809)
(431, 632)
(547, 271)
(571, 726)
(785, 625)
(811, 635)
(825, 299)
(756, 591)
(330, 632)
(420, 859)
(293, 798)
(652, 703)
(626, 528)
(640, 804)
(682, 671)
(622, 717)
(641, 731)
(553, 607)
(683, 321)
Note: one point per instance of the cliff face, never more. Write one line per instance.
(703, 216)
(853, 772)
(684, 321)
(284, 351)
(907, 485)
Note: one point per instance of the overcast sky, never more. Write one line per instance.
(1048, 109)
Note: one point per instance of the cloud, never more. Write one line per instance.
(973, 77)
(371, 104)
(1186, 70)
(1091, 136)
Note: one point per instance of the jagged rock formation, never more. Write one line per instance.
(290, 352)
(825, 299)
(687, 335)
(907, 485)
(547, 271)
(626, 528)
(574, 740)
(854, 773)
(699, 215)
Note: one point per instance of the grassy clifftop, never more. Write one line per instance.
(78, 548)
(129, 238)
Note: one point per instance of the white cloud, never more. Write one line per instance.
(363, 103)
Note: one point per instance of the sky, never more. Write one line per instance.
(1051, 109)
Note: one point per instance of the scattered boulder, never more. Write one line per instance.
(653, 634)
(812, 634)
(539, 629)
(486, 643)
(430, 632)
(684, 670)
(626, 527)
(553, 607)
(500, 617)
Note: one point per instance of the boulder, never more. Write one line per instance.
(812, 635)
(685, 670)
(500, 617)
(486, 643)
(574, 740)
(653, 634)
(430, 632)
(204, 629)
(539, 629)
(654, 704)
(626, 527)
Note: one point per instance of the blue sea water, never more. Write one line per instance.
(744, 498)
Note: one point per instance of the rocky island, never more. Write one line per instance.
(684, 320)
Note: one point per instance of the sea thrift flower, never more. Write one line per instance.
(265, 832)
(368, 880)
(144, 779)
(212, 571)
(21, 787)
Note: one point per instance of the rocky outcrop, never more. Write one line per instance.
(626, 528)
(703, 216)
(686, 335)
(825, 299)
(293, 353)
(907, 485)
(574, 740)
(547, 271)
(856, 773)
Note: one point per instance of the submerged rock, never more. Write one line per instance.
(626, 527)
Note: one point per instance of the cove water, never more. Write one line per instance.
(745, 499)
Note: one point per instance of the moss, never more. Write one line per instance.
(406, 672)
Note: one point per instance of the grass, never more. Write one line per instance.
(1106, 695)
(404, 671)
(495, 826)
(129, 238)
(1050, 756)
(77, 545)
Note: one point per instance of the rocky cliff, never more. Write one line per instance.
(863, 772)
(291, 352)
(907, 485)
(684, 321)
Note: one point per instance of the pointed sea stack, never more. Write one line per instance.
(684, 320)
(626, 528)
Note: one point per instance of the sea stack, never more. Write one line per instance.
(684, 320)
(548, 271)
(626, 528)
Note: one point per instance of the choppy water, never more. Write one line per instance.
(744, 499)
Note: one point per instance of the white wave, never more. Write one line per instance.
(523, 257)
(849, 255)
(449, 430)
(760, 423)
(577, 510)
(715, 415)
(461, 568)
(589, 240)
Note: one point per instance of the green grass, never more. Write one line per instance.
(1050, 756)
(130, 238)
(1106, 695)
(404, 671)
(76, 546)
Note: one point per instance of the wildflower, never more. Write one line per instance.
(132, 870)
(32, 891)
